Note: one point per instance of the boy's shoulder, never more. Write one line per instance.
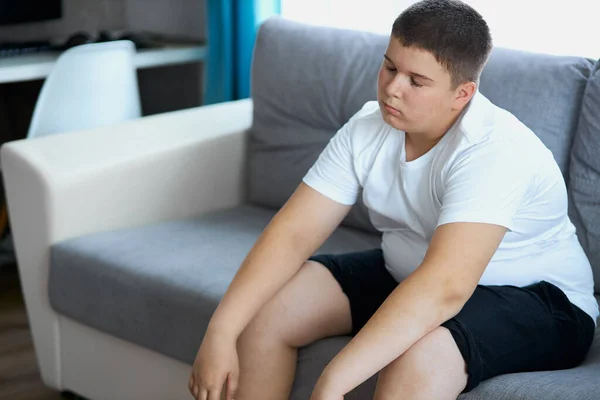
(488, 135)
(483, 123)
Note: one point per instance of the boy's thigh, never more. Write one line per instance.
(363, 278)
(508, 329)
(309, 307)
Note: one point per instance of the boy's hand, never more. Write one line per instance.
(216, 366)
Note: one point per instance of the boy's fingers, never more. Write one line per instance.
(232, 383)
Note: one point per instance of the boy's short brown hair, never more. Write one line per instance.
(456, 34)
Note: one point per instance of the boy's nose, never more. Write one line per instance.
(396, 87)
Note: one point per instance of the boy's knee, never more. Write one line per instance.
(432, 361)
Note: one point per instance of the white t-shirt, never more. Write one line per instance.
(489, 167)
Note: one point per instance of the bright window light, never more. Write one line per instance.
(542, 26)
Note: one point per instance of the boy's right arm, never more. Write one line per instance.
(301, 226)
(306, 220)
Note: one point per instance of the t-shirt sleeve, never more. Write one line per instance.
(333, 174)
(487, 184)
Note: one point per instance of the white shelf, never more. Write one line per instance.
(38, 66)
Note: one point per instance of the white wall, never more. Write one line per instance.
(173, 17)
(85, 15)
(554, 27)
(175, 87)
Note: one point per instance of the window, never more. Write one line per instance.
(552, 27)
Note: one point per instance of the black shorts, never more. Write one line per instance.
(500, 330)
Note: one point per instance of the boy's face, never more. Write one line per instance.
(415, 92)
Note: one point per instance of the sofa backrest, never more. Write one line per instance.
(307, 81)
(584, 175)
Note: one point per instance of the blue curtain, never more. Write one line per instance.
(231, 32)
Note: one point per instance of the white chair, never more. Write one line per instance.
(90, 85)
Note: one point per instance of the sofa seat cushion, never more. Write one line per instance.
(159, 285)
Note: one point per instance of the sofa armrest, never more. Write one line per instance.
(153, 169)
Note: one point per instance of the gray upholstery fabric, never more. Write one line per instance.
(308, 81)
(543, 91)
(138, 284)
(584, 174)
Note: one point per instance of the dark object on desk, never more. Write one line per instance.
(150, 40)
(77, 39)
(141, 41)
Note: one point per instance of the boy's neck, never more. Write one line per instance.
(417, 145)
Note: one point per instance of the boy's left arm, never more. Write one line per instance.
(435, 292)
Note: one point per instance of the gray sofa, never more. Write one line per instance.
(152, 283)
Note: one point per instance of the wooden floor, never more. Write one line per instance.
(19, 375)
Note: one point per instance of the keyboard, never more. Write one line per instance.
(8, 49)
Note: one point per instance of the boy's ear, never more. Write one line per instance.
(464, 93)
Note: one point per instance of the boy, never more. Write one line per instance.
(479, 272)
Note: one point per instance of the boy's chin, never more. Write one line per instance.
(393, 121)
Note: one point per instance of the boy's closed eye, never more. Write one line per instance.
(412, 79)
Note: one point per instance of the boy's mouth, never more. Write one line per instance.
(391, 109)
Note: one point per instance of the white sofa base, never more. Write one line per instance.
(99, 366)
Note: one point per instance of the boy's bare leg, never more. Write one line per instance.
(433, 368)
(309, 307)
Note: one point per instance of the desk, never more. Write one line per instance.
(38, 65)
